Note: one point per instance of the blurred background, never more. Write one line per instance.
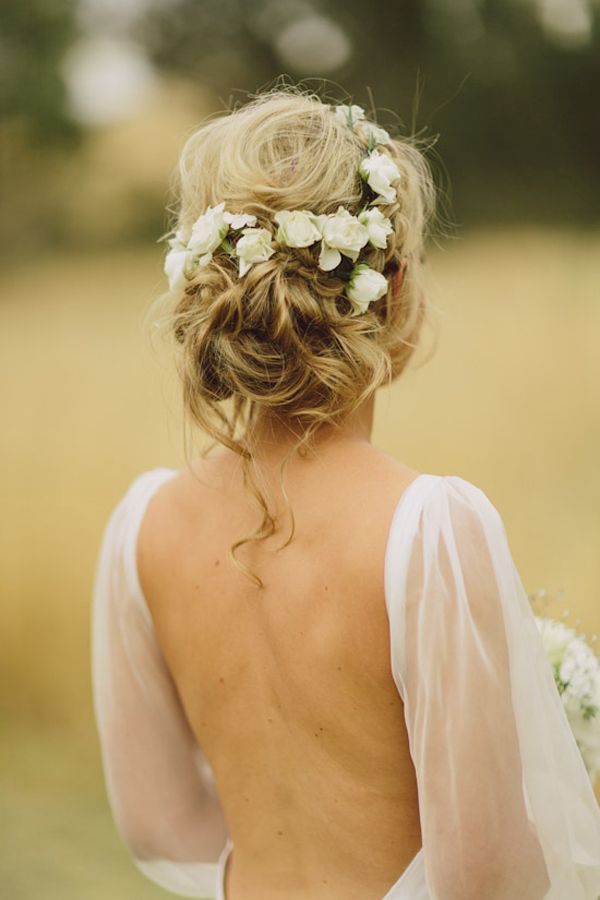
(97, 98)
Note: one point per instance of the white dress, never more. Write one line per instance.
(506, 806)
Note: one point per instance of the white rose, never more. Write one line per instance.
(239, 220)
(379, 171)
(342, 233)
(378, 135)
(365, 285)
(378, 226)
(348, 115)
(297, 228)
(179, 241)
(254, 246)
(208, 231)
(176, 262)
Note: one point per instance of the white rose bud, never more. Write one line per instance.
(208, 231)
(378, 135)
(237, 221)
(348, 115)
(379, 171)
(254, 246)
(342, 233)
(365, 286)
(179, 241)
(297, 228)
(175, 268)
(378, 226)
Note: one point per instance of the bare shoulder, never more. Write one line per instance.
(172, 508)
(159, 531)
(354, 472)
(348, 491)
(169, 501)
(372, 471)
(368, 487)
(385, 465)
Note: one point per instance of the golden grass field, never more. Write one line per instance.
(510, 400)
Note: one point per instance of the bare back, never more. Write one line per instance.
(289, 689)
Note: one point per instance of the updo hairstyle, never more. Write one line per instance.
(279, 344)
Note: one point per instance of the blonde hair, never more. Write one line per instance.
(279, 343)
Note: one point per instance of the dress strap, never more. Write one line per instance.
(137, 498)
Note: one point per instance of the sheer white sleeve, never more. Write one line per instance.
(506, 806)
(159, 785)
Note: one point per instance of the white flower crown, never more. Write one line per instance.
(339, 233)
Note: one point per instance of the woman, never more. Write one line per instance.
(316, 673)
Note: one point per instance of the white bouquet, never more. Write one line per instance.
(576, 671)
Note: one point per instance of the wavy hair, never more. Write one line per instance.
(279, 343)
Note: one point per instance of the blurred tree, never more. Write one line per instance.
(38, 136)
(34, 35)
(509, 85)
(212, 41)
(512, 106)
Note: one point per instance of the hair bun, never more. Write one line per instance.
(279, 341)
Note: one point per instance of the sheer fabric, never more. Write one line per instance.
(160, 786)
(507, 809)
(506, 806)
